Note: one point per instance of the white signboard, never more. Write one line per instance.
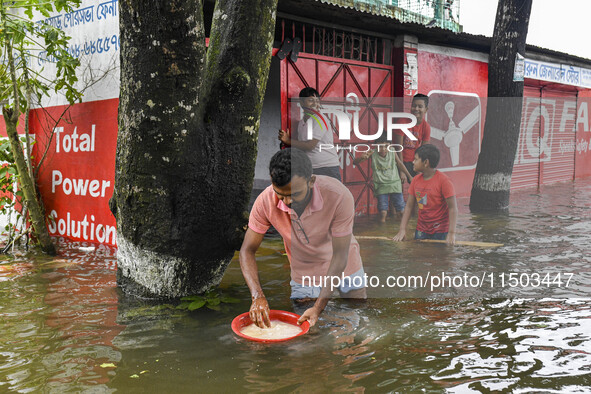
(94, 32)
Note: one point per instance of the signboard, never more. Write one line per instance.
(76, 178)
(558, 73)
(94, 32)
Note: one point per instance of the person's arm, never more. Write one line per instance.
(398, 140)
(259, 309)
(403, 168)
(426, 134)
(302, 145)
(452, 205)
(362, 157)
(410, 203)
(338, 263)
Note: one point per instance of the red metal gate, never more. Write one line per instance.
(345, 83)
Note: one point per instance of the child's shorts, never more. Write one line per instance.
(422, 235)
(396, 198)
(299, 291)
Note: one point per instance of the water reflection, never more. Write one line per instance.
(61, 314)
(66, 328)
(335, 342)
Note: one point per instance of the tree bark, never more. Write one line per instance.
(26, 183)
(186, 149)
(492, 180)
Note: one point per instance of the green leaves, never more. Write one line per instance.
(229, 300)
(42, 6)
(196, 304)
(26, 48)
(212, 299)
(22, 40)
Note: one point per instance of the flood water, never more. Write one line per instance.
(65, 327)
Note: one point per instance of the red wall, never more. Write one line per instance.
(76, 178)
(456, 87)
(555, 130)
(583, 135)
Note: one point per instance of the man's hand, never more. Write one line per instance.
(284, 137)
(400, 236)
(451, 238)
(259, 312)
(310, 315)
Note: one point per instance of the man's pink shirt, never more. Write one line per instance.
(329, 214)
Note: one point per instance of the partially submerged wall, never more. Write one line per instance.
(77, 143)
(555, 122)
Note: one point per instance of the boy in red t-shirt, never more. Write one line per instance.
(435, 196)
(422, 131)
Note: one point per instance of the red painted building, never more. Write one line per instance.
(367, 62)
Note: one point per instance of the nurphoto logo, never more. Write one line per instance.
(347, 125)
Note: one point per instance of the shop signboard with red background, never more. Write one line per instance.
(76, 178)
(77, 171)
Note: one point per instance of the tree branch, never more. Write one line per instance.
(16, 112)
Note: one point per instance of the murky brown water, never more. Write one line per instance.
(66, 328)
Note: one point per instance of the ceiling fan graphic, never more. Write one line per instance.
(452, 137)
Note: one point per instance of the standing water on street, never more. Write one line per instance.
(66, 327)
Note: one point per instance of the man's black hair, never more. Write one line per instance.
(288, 163)
(420, 96)
(428, 152)
(309, 92)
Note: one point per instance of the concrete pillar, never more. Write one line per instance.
(406, 71)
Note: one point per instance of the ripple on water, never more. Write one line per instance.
(584, 227)
(552, 342)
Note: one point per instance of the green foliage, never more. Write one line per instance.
(24, 45)
(211, 300)
(24, 42)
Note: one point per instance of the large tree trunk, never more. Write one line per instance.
(492, 180)
(186, 149)
(26, 183)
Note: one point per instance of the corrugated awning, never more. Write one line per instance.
(441, 13)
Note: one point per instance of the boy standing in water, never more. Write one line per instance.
(422, 131)
(435, 196)
(386, 179)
